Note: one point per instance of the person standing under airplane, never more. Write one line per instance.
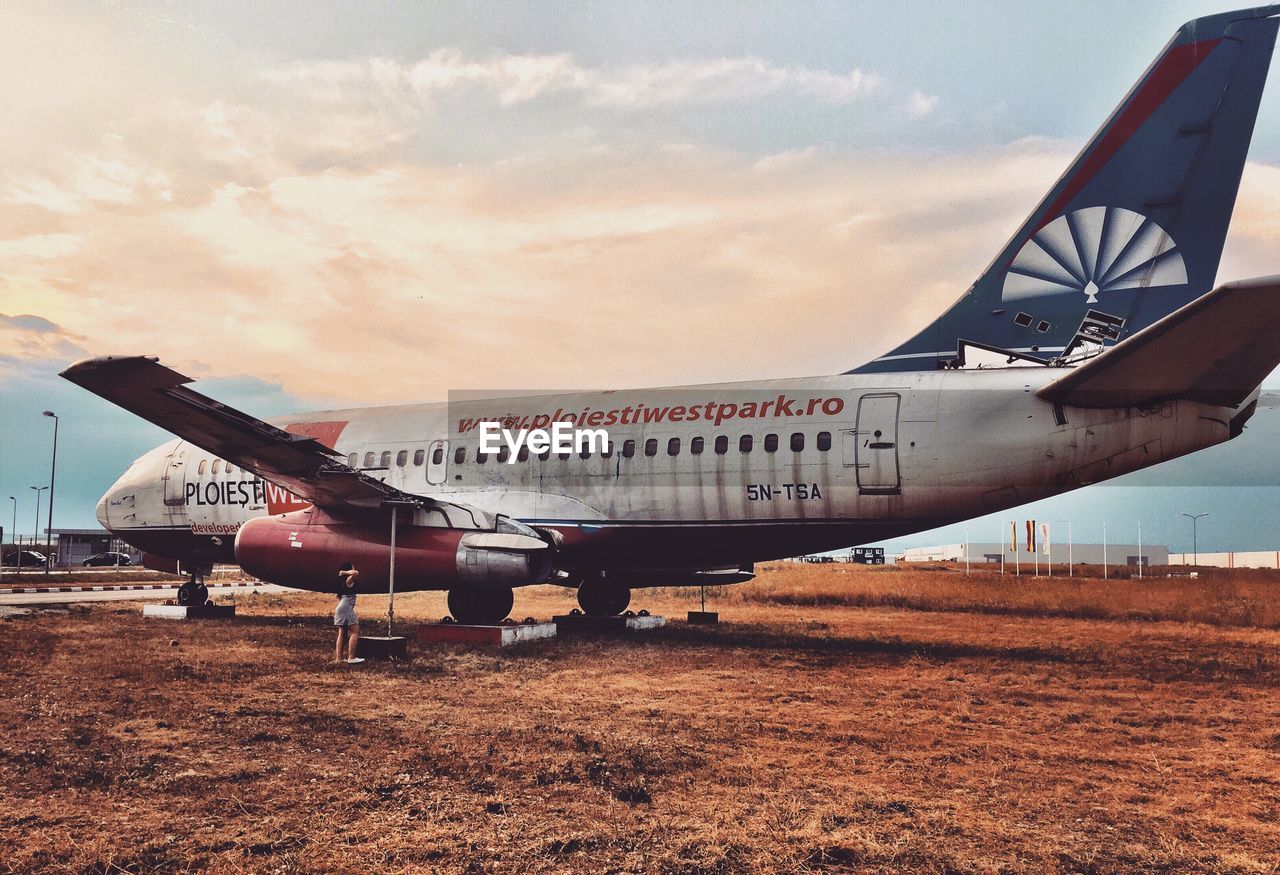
(344, 615)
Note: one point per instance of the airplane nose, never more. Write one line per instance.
(101, 512)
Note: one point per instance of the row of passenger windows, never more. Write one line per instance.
(696, 447)
(217, 466)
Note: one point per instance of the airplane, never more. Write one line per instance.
(1113, 352)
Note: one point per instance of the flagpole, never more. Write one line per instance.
(1104, 549)
(1017, 557)
(1071, 571)
(1139, 549)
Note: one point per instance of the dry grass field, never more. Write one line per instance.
(837, 720)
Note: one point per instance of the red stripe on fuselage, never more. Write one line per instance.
(326, 433)
(280, 500)
(1172, 70)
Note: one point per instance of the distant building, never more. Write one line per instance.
(1233, 559)
(867, 555)
(1087, 554)
(73, 546)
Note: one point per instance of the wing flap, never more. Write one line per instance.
(1215, 350)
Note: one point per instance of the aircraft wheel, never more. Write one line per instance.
(601, 599)
(186, 594)
(481, 605)
(201, 594)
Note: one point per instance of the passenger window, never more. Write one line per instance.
(545, 454)
(368, 460)
(217, 466)
(203, 464)
(607, 450)
(651, 447)
(628, 449)
(420, 456)
(231, 468)
(504, 454)
(824, 441)
(523, 455)
(695, 446)
(744, 443)
(722, 445)
(437, 456)
(385, 461)
(402, 458)
(353, 459)
(585, 451)
(673, 447)
(564, 457)
(797, 442)
(459, 455)
(771, 443)
(481, 457)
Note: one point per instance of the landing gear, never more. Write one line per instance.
(193, 592)
(599, 598)
(481, 605)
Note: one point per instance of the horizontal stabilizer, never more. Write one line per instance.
(1215, 350)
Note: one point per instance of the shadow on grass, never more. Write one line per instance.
(1251, 664)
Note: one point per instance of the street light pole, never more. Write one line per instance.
(48, 537)
(13, 533)
(1195, 546)
(38, 490)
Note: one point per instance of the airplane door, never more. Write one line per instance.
(437, 462)
(875, 444)
(174, 480)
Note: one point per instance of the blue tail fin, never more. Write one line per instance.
(1134, 229)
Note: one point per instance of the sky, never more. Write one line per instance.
(315, 204)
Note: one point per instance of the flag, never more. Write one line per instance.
(1031, 536)
(1044, 538)
(1013, 537)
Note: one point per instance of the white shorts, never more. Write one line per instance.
(345, 613)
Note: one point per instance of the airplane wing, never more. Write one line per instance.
(299, 463)
(1215, 350)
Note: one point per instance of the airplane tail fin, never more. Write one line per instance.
(1134, 229)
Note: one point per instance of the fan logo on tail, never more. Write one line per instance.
(1091, 251)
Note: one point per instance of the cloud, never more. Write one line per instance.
(27, 322)
(515, 79)
(920, 104)
(27, 338)
(407, 280)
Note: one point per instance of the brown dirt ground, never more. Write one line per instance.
(976, 734)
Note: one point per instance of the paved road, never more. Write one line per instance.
(57, 598)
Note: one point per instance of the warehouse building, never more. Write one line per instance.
(1080, 554)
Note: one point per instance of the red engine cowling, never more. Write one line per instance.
(306, 548)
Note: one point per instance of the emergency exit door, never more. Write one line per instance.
(875, 449)
(437, 462)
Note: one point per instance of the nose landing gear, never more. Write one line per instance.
(194, 591)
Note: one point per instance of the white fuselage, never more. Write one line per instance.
(828, 462)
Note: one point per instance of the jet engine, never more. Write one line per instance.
(305, 549)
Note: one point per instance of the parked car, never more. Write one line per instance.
(30, 559)
(100, 559)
